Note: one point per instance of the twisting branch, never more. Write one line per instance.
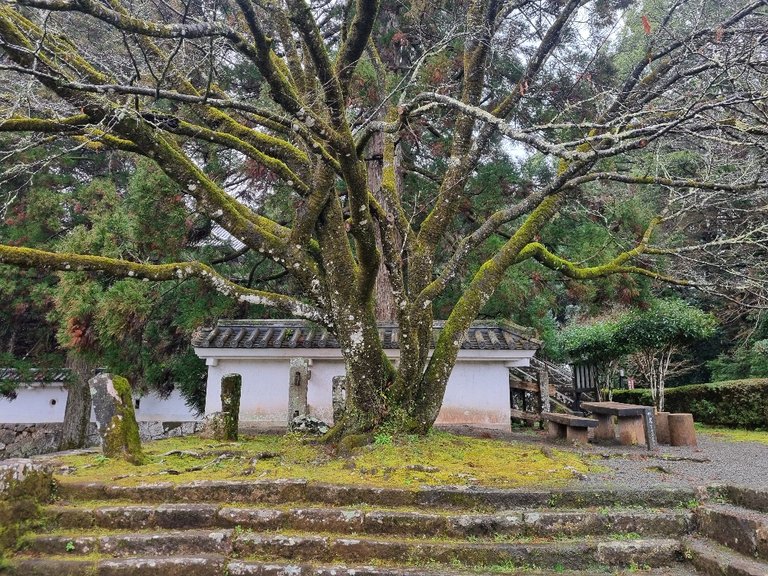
(539, 252)
(357, 37)
(31, 258)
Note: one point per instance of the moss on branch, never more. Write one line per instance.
(552, 261)
(63, 261)
(48, 125)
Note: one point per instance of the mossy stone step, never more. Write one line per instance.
(743, 530)
(217, 565)
(713, 559)
(287, 491)
(199, 565)
(392, 522)
(575, 554)
(165, 543)
(750, 498)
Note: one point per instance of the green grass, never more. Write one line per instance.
(733, 434)
(439, 458)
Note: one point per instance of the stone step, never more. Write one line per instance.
(751, 498)
(218, 565)
(573, 554)
(743, 530)
(210, 565)
(393, 522)
(713, 559)
(294, 491)
(117, 544)
(240, 568)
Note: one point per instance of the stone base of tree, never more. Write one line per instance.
(308, 425)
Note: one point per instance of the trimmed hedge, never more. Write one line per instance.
(735, 403)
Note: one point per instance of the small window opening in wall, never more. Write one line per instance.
(136, 403)
(53, 401)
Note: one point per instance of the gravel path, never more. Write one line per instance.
(715, 461)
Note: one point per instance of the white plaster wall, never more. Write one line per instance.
(33, 405)
(478, 394)
(320, 391)
(264, 394)
(173, 408)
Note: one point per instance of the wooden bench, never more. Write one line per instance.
(635, 422)
(574, 428)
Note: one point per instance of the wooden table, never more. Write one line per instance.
(635, 422)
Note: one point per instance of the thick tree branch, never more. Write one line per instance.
(662, 181)
(30, 258)
(302, 17)
(357, 38)
(539, 252)
(246, 142)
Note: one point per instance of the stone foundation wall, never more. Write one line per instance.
(23, 440)
(160, 430)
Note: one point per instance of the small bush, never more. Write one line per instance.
(736, 403)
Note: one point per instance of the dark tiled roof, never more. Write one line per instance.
(299, 334)
(34, 375)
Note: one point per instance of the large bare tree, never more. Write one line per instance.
(370, 119)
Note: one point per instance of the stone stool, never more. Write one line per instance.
(662, 427)
(681, 431)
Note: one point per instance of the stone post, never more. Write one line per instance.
(542, 376)
(231, 385)
(297, 389)
(115, 418)
(650, 429)
(339, 397)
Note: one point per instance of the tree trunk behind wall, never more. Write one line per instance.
(77, 414)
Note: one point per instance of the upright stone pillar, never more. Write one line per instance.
(115, 418)
(339, 397)
(650, 429)
(544, 405)
(231, 386)
(297, 389)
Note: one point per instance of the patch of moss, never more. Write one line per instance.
(440, 458)
(20, 506)
(734, 434)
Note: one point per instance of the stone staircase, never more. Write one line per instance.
(731, 537)
(295, 528)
